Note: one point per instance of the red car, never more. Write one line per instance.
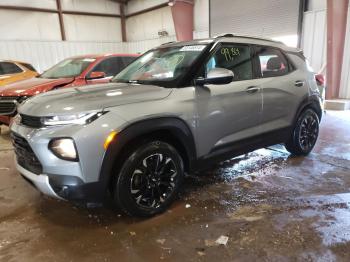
(74, 71)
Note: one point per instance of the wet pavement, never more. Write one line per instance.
(269, 205)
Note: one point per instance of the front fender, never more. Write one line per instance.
(177, 127)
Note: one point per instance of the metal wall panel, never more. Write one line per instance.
(316, 5)
(201, 18)
(200, 34)
(47, 4)
(147, 25)
(144, 45)
(345, 79)
(29, 25)
(95, 6)
(138, 5)
(314, 38)
(269, 18)
(92, 28)
(44, 54)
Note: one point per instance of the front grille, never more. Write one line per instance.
(6, 98)
(7, 107)
(31, 121)
(9, 98)
(26, 158)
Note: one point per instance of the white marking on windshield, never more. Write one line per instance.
(197, 48)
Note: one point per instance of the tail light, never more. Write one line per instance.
(320, 79)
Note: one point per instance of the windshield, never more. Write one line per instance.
(68, 68)
(163, 66)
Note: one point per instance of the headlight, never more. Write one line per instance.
(76, 119)
(64, 148)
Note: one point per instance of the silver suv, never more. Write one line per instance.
(176, 109)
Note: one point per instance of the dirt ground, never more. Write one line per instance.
(270, 206)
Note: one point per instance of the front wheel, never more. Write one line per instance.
(149, 179)
(305, 134)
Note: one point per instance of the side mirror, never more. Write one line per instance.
(216, 76)
(96, 75)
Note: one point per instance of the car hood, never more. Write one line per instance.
(89, 98)
(33, 86)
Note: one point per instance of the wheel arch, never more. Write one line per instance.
(312, 102)
(169, 129)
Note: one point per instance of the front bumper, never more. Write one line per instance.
(64, 187)
(74, 181)
(41, 181)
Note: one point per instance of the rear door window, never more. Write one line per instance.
(272, 62)
(9, 68)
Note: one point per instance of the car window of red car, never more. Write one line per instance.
(68, 68)
(113, 65)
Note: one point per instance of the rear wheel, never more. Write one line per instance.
(149, 179)
(305, 134)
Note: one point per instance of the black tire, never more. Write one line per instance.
(149, 179)
(305, 134)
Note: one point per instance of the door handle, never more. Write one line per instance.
(252, 89)
(299, 83)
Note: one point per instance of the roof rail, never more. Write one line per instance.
(248, 36)
(168, 43)
(224, 35)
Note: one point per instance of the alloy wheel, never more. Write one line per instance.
(308, 132)
(153, 180)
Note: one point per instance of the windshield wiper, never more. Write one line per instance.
(133, 81)
(126, 81)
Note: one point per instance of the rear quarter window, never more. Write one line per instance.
(29, 66)
(272, 62)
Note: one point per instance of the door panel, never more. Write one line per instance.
(281, 99)
(282, 89)
(227, 113)
(231, 112)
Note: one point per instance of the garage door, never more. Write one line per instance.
(268, 18)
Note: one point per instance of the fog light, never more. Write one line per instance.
(64, 148)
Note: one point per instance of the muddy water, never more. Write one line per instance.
(271, 206)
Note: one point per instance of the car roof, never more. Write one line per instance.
(244, 39)
(105, 55)
(14, 61)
